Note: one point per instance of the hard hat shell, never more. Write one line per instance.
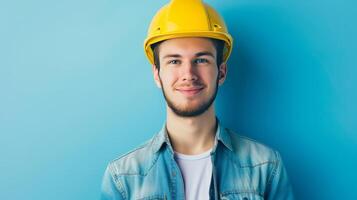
(187, 18)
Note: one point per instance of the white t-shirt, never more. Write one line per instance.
(197, 172)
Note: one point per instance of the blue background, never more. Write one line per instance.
(77, 91)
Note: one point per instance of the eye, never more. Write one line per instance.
(173, 62)
(201, 60)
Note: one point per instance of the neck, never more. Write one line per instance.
(191, 135)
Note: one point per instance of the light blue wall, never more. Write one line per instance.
(76, 91)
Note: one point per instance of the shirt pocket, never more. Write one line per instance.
(241, 196)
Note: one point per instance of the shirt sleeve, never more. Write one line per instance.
(109, 188)
(279, 187)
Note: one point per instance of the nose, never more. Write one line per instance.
(189, 72)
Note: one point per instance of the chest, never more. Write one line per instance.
(227, 180)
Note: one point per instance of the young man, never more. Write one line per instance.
(193, 156)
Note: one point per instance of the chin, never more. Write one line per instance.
(190, 107)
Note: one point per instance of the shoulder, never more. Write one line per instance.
(135, 162)
(250, 152)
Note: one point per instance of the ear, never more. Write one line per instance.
(156, 72)
(222, 73)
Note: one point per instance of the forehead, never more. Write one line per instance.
(186, 46)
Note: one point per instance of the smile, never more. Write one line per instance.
(190, 92)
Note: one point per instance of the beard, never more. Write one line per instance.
(190, 112)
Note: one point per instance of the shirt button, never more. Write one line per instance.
(245, 198)
(173, 173)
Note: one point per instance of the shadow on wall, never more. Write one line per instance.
(278, 92)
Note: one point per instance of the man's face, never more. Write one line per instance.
(188, 75)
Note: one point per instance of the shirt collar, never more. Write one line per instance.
(162, 138)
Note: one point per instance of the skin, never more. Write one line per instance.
(189, 78)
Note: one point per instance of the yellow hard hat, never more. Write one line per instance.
(187, 18)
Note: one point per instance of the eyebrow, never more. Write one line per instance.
(203, 53)
(172, 56)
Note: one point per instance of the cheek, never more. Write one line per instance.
(210, 76)
(167, 79)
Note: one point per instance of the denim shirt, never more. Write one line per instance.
(243, 169)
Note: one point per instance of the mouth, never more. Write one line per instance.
(190, 91)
